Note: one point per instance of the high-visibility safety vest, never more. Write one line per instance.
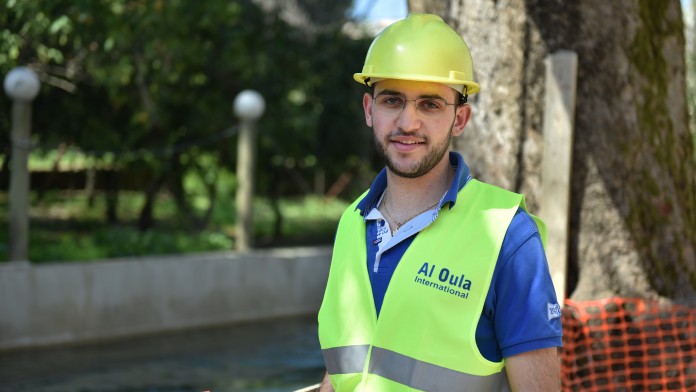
(424, 338)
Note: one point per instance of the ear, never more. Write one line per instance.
(367, 107)
(461, 118)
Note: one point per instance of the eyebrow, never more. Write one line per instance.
(400, 94)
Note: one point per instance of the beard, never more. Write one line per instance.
(417, 169)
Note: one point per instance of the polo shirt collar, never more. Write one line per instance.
(461, 177)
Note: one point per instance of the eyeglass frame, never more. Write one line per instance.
(463, 97)
(379, 102)
(421, 107)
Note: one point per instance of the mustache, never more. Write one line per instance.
(401, 132)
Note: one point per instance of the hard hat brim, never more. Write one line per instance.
(472, 87)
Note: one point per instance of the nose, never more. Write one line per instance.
(409, 119)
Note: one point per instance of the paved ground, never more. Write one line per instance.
(269, 356)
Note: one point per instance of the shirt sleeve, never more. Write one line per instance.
(525, 311)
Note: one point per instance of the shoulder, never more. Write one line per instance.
(522, 252)
(479, 195)
(480, 187)
(357, 205)
(522, 256)
(522, 291)
(521, 229)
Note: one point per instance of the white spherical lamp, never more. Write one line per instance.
(249, 105)
(21, 84)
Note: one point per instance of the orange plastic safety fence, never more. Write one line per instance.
(621, 345)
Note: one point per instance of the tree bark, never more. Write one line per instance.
(437, 7)
(633, 206)
(146, 219)
(175, 183)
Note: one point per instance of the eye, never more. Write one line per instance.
(392, 102)
(430, 104)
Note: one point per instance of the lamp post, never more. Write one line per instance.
(249, 105)
(21, 85)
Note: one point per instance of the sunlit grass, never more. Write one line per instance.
(71, 159)
(67, 226)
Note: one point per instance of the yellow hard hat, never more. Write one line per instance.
(421, 47)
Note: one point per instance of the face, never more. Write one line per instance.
(413, 141)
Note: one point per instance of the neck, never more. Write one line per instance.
(409, 194)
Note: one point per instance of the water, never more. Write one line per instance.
(268, 356)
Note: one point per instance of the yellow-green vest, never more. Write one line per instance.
(424, 338)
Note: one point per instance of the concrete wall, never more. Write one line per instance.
(69, 302)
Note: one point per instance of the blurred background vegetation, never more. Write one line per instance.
(134, 135)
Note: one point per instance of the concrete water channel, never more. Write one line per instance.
(263, 356)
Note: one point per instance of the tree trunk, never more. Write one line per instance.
(146, 219)
(691, 70)
(175, 183)
(633, 206)
(437, 7)
(111, 187)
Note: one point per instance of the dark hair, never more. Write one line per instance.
(462, 98)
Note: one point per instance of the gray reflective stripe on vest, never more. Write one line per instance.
(428, 377)
(346, 359)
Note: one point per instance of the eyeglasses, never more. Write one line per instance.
(394, 104)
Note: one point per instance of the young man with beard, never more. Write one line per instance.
(438, 282)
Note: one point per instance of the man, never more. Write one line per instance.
(438, 282)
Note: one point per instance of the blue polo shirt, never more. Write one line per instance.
(521, 312)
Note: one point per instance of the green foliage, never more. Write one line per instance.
(66, 227)
(135, 80)
(121, 241)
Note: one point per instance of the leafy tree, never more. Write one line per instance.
(149, 84)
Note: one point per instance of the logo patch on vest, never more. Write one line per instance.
(444, 280)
